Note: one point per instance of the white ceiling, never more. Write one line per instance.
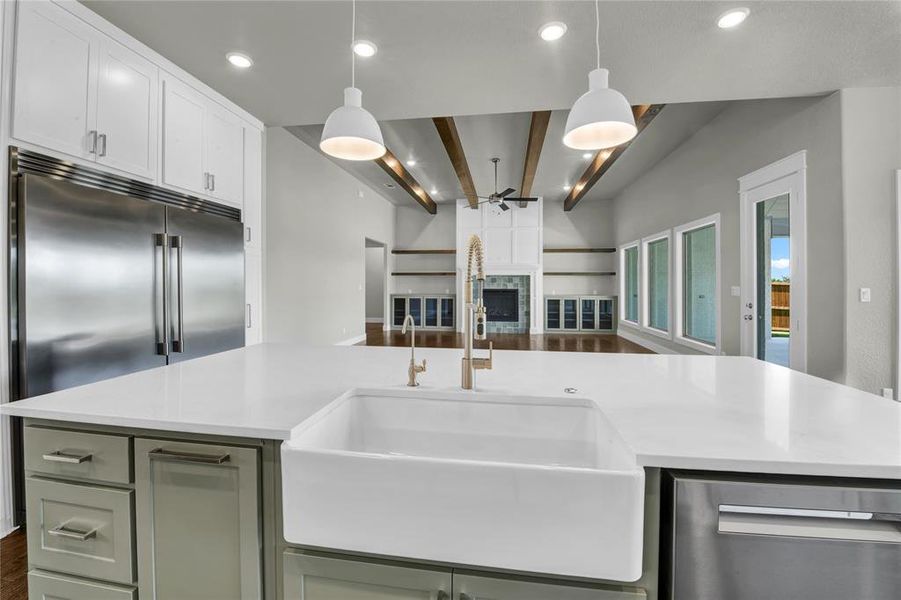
(476, 58)
(505, 136)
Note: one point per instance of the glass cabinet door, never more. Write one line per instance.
(552, 313)
(414, 307)
(447, 312)
(398, 311)
(588, 314)
(570, 313)
(605, 314)
(431, 312)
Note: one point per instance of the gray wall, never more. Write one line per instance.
(375, 283)
(590, 225)
(871, 152)
(317, 219)
(417, 229)
(699, 178)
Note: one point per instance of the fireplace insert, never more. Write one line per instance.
(502, 305)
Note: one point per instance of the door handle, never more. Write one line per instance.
(178, 342)
(72, 534)
(92, 137)
(68, 458)
(194, 457)
(102, 139)
(162, 343)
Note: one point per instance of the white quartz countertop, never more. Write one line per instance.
(693, 412)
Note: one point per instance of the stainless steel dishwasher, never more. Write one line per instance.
(736, 537)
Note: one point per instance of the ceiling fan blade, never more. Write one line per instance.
(503, 206)
(527, 199)
(506, 193)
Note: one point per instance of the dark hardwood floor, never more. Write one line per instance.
(558, 342)
(14, 566)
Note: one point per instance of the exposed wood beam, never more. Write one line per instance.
(603, 160)
(537, 131)
(447, 130)
(393, 167)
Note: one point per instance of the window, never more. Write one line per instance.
(629, 288)
(698, 284)
(656, 280)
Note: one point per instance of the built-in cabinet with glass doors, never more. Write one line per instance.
(580, 313)
(430, 312)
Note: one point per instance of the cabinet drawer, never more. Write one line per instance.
(78, 454)
(80, 529)
(52, 586)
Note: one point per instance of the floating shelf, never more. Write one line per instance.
(583, 273)
(414, 251)
(579, 250)
(424, 273)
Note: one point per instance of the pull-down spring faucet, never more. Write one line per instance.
(474, 310)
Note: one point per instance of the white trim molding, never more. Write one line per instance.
(785, 176)
(622, 284)
(633, 336)
(898, 286)
(644, 286)
(678, 284)
(352, 341)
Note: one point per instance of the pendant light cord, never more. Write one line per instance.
(597, 30)
(353, 36)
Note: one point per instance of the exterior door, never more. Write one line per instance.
(198, 521)
(207, 301)
(90, 284)
(126, 111)
(310, 577)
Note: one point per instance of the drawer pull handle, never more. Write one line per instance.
(74, 534)
(208, 459)
(72, 459)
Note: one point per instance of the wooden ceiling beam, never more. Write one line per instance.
(447, 130)
(604, 159)
(537, 132)
(393, 167)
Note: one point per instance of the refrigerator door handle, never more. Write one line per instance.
(178, 342)
(162, 342)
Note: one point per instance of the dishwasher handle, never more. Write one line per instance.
(854, 526)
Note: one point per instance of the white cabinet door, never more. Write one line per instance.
(253, 188)
(126, 110)
(184, 113)
(253, 293)
(55, 79)
(224, 156)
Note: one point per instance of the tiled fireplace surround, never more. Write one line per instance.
(517, 282)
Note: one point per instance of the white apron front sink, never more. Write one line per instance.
(542, 485)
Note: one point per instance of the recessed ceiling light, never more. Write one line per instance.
(365, 48)
(732, 18)
(242, 61)
(552, 31)
(587, 155)
(567, 187)
(433, 191)
(411, 163)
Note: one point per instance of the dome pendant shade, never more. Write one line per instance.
(351, 132)
(600, 118)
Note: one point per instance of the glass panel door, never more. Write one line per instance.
(570, 314)
(447, 312)
(552, 313)
(431, 312)
(398, 311)
(588, 314)
(658, 284)
(414, 306)
(773, 278)
(699, 285)
(630, 289)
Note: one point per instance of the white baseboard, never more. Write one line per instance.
(352, 341)
(641, 341)
(375, 320)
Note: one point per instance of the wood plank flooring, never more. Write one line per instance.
(555, 342)
(14, 566)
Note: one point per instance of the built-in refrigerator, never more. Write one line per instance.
(109, 276)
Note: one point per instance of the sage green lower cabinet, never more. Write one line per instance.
(52, 586)
(477, 587)
(198, 520)
(310, 577)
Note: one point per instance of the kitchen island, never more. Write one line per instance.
(728, 415)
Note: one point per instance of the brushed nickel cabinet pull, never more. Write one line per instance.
(72, 534)
(92, 136)
(102, 139)
(65, 457)
(172, 455)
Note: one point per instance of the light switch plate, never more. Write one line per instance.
(864, 294)
(736, 291)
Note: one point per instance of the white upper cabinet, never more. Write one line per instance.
(253, 188)
(183, 121)
(224, 156)
(127, 110)
(54, 101)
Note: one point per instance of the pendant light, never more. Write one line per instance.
(601, 117)
(351, 132)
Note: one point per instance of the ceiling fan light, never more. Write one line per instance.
(600, 118)
(351, 132)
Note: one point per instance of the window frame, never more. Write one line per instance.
(679, 279)
(622, 284)
(645, 287)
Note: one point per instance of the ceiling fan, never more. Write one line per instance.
(500, 198)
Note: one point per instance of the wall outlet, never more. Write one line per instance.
(888, 393)
(865, 294)
(736, 291)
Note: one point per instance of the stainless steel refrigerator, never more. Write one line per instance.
(109, 276)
